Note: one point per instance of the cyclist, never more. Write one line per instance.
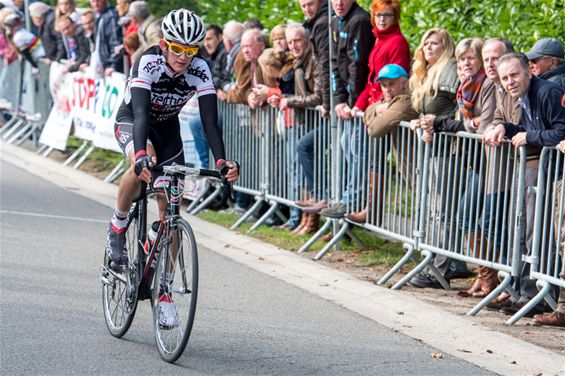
(147, 127)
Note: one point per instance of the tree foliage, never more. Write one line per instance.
(521, 21)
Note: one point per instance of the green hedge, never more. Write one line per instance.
(521, 21)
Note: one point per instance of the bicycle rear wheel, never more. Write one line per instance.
(119, 291)
(176, 283)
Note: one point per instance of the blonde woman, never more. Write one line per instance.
(434, 84)
(66, 8)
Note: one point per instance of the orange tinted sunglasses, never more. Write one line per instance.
(178, 50)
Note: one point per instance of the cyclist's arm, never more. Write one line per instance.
(140, 103)
(208, 105)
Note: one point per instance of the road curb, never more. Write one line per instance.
(449, 333)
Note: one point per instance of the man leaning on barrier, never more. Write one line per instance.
(542, 124)
(384, 117)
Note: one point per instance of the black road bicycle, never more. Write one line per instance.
(167, 266)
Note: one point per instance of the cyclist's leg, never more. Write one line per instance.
(127, 190)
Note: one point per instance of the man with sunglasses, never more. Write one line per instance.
(147, 127)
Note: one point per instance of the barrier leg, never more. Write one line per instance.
(42, 148)
(442, 281)
(531, 304)
(84, 156)
(409, 255)
(204, 204)
(20, 132)
(27, 135)
(13, 128)
(48, 151)
(9, 124)
(504, 285)
(315, 237)
(427, 259)
(264, 217)
(243, 218)
(342, 231)
(357, 240)
(111, 176)
(77, 152)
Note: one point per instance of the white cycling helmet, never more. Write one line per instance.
(183, 26)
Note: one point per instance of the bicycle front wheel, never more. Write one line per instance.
(119, 291)
(175, 290)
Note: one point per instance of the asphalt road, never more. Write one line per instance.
(247, 323)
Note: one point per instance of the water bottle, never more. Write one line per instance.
(151, 236)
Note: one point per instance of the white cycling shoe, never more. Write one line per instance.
(167, 313)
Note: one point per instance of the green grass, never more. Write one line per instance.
(380, 252)
(103, 159)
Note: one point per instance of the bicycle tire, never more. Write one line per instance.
(119, 301)
(182, 288)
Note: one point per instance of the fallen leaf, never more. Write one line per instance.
(513, 362)
(538, 374)
(400, 313)
(489, 351)
(464, 350)
(261, 259)
(437, 355)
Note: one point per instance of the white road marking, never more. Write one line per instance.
(54, 216)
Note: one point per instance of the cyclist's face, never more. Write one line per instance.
(178, 63)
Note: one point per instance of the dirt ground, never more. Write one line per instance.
(551, 338)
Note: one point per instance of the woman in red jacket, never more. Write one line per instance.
(390, 48)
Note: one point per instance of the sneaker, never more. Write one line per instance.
(116, 246)
(239, 210)
(167, 312)
(334, 211)
(316, 207)
(424, 280)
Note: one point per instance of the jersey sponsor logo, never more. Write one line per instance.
(169, 99)
(153, 65)
(197, 72)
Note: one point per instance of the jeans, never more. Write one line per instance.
(305, 151)
(354, 147)
(486, 209)
(293, 172)
(200, 140)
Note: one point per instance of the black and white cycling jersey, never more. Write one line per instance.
(154, 97)
(169, 93)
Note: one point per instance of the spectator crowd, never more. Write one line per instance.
(473, 85)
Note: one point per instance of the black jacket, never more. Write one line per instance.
(319, 37)
(110, 36)
(218, 62)
(83, 47)
(352, 43)
(556, 75)
(50, 39)
(545, 125)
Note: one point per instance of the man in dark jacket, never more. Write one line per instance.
(352, 41)
(316, 12)
(75, 43)
(546, 61)
(542, 124)
(216, 55)
(43, 17)
(107, 40)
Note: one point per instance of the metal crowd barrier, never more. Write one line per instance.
(26, 100)
(547, 260)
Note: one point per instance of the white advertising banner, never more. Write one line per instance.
(91, 103)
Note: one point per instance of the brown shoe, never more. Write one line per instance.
(489, 281)
(306, 202)
(476, 287)
(303, 221)
(552, 318)
(326, 238)
(312, 224)
(358, 217)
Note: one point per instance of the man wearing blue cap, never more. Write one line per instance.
(382, 118)
(547, 62)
